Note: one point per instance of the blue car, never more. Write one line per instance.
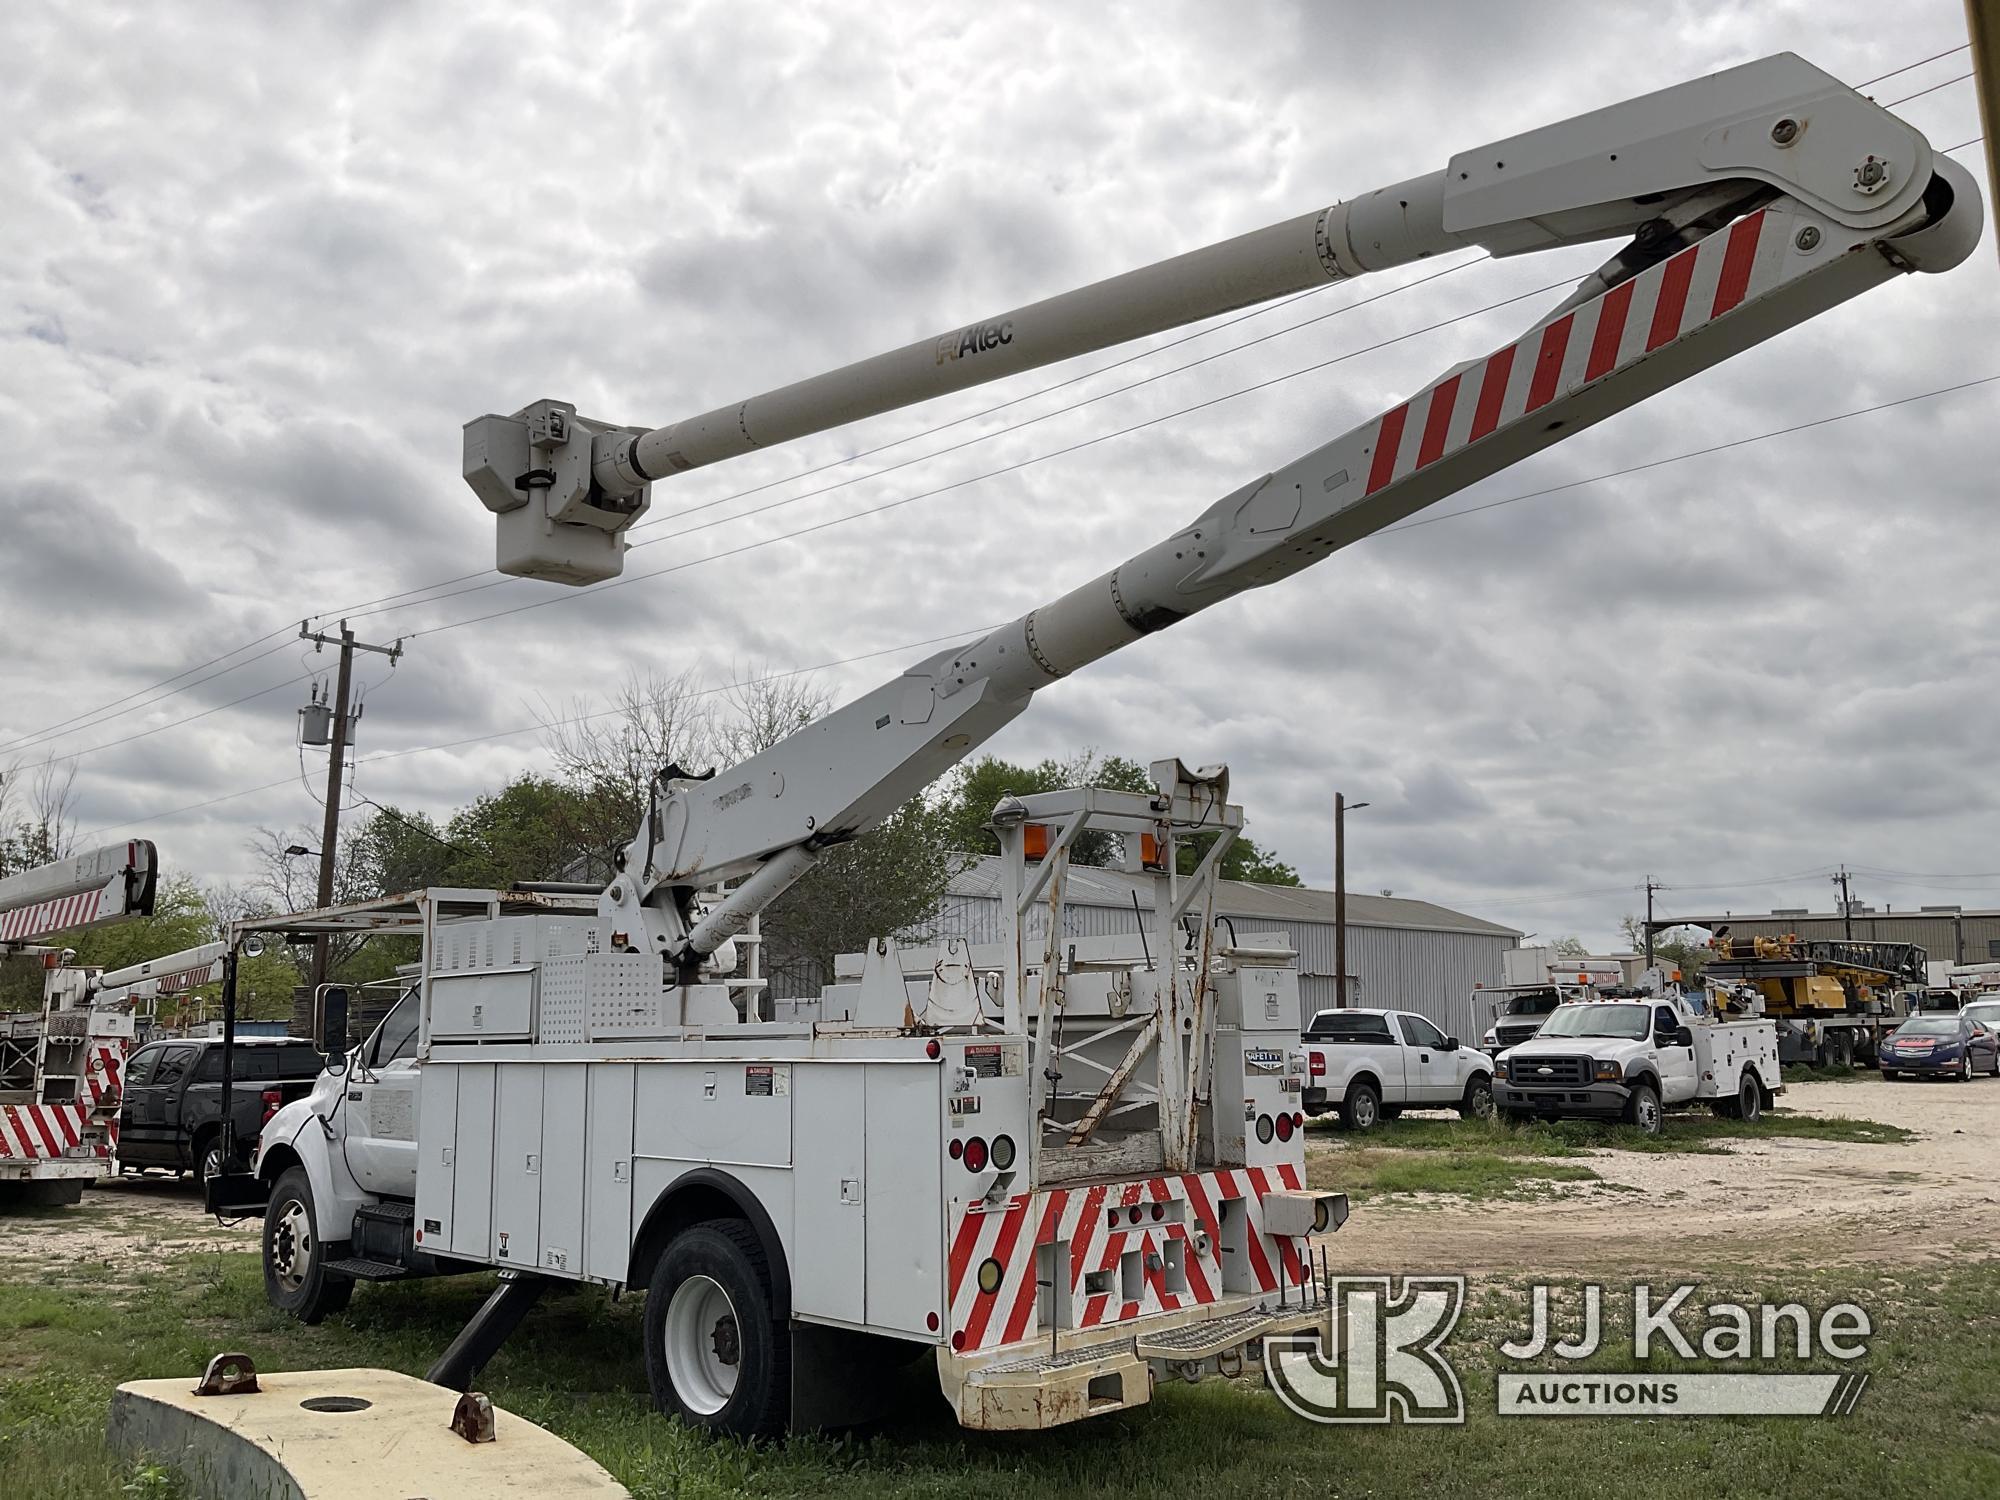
(1940, 1046)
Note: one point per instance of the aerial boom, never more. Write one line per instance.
(1771, 193)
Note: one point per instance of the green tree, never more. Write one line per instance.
(891, 880)
(1569, 947)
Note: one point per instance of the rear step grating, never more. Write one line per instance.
(1204, 1340)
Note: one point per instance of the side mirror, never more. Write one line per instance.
(1684, 1037)
(1453, 1044)
(330, 1028)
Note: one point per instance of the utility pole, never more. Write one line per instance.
(1340, 899)
(1651, 886)
(336, 766)
(1846, 903)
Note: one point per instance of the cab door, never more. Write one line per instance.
(1430, 1071)
(1680, 1074)
(148, 1112)
(381, 1105)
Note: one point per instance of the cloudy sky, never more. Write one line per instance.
(258, 265)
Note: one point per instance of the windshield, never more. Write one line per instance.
(1532, 1005)
(1984, 1010)
(1631, 1022)
(1929, 1026)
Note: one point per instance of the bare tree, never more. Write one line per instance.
(38, 820)
(654, 721)
(761, 709)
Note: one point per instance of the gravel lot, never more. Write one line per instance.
(1931, 1199)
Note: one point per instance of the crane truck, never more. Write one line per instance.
(1066, 1175)
(1832, 1000)
(60, 1064)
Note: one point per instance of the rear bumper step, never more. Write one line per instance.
(1030, 1388)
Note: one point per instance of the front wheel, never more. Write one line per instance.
(296, 1279)
(1965, 1068)
(1642, 1108)
(1478, 1101)
(718, 1352)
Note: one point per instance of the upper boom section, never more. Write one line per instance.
(85, 890)
(1660, 168)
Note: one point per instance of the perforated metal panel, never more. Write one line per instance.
(562, 1011)
(627, 996)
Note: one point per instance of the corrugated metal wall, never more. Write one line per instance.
(1432, 973)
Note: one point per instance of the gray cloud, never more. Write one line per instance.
(244, 309)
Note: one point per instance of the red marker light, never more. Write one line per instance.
(931, 1322)
(932, 1050)
(975, 1154)
(955, 1149)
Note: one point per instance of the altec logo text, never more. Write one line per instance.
(1380, 1357)
(975, 340)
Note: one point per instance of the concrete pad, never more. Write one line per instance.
(267, 1446)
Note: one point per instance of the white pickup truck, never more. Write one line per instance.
(1373, 1064)
(1631, 1060)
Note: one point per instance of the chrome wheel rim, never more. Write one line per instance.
(704, 1345)
(292, 1246)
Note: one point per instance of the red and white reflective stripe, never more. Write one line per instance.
(61, 914)
(1097, 1226)
(1561, 356)
(37, 1132)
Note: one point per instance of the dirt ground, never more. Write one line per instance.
(122, 1225)
(1931, 1199)
(1825, 1202)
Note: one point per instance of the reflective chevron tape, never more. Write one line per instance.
(1582, 346)
(1169, 1228)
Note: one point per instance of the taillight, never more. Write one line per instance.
(1318, 1064)
(975, 1154)
(272, 1100)
(1284, 1127)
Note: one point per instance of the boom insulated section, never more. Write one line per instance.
(1088, 1257)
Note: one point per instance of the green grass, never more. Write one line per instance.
(1807, 1073)
(1927, 1425)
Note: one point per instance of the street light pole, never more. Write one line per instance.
(1340, 899)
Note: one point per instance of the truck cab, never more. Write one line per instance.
(1632, 1059)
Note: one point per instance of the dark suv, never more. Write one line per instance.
(171, 1112)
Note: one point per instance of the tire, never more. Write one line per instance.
(1361, 1110)
(718, 1348)
(207, 1155)
(1749, 1099)
(1965, 1069)
(1643, 1110)
(296, 1279)
(1478, 1101)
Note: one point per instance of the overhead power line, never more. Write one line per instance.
(1907, 67)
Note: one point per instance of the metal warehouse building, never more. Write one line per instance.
(1949, 934)
(1407, 954)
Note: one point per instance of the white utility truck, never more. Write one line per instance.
(1632, 1060)
(1053, 1174)
(1371, 1065)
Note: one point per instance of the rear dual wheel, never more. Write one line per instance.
(718, 1348)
